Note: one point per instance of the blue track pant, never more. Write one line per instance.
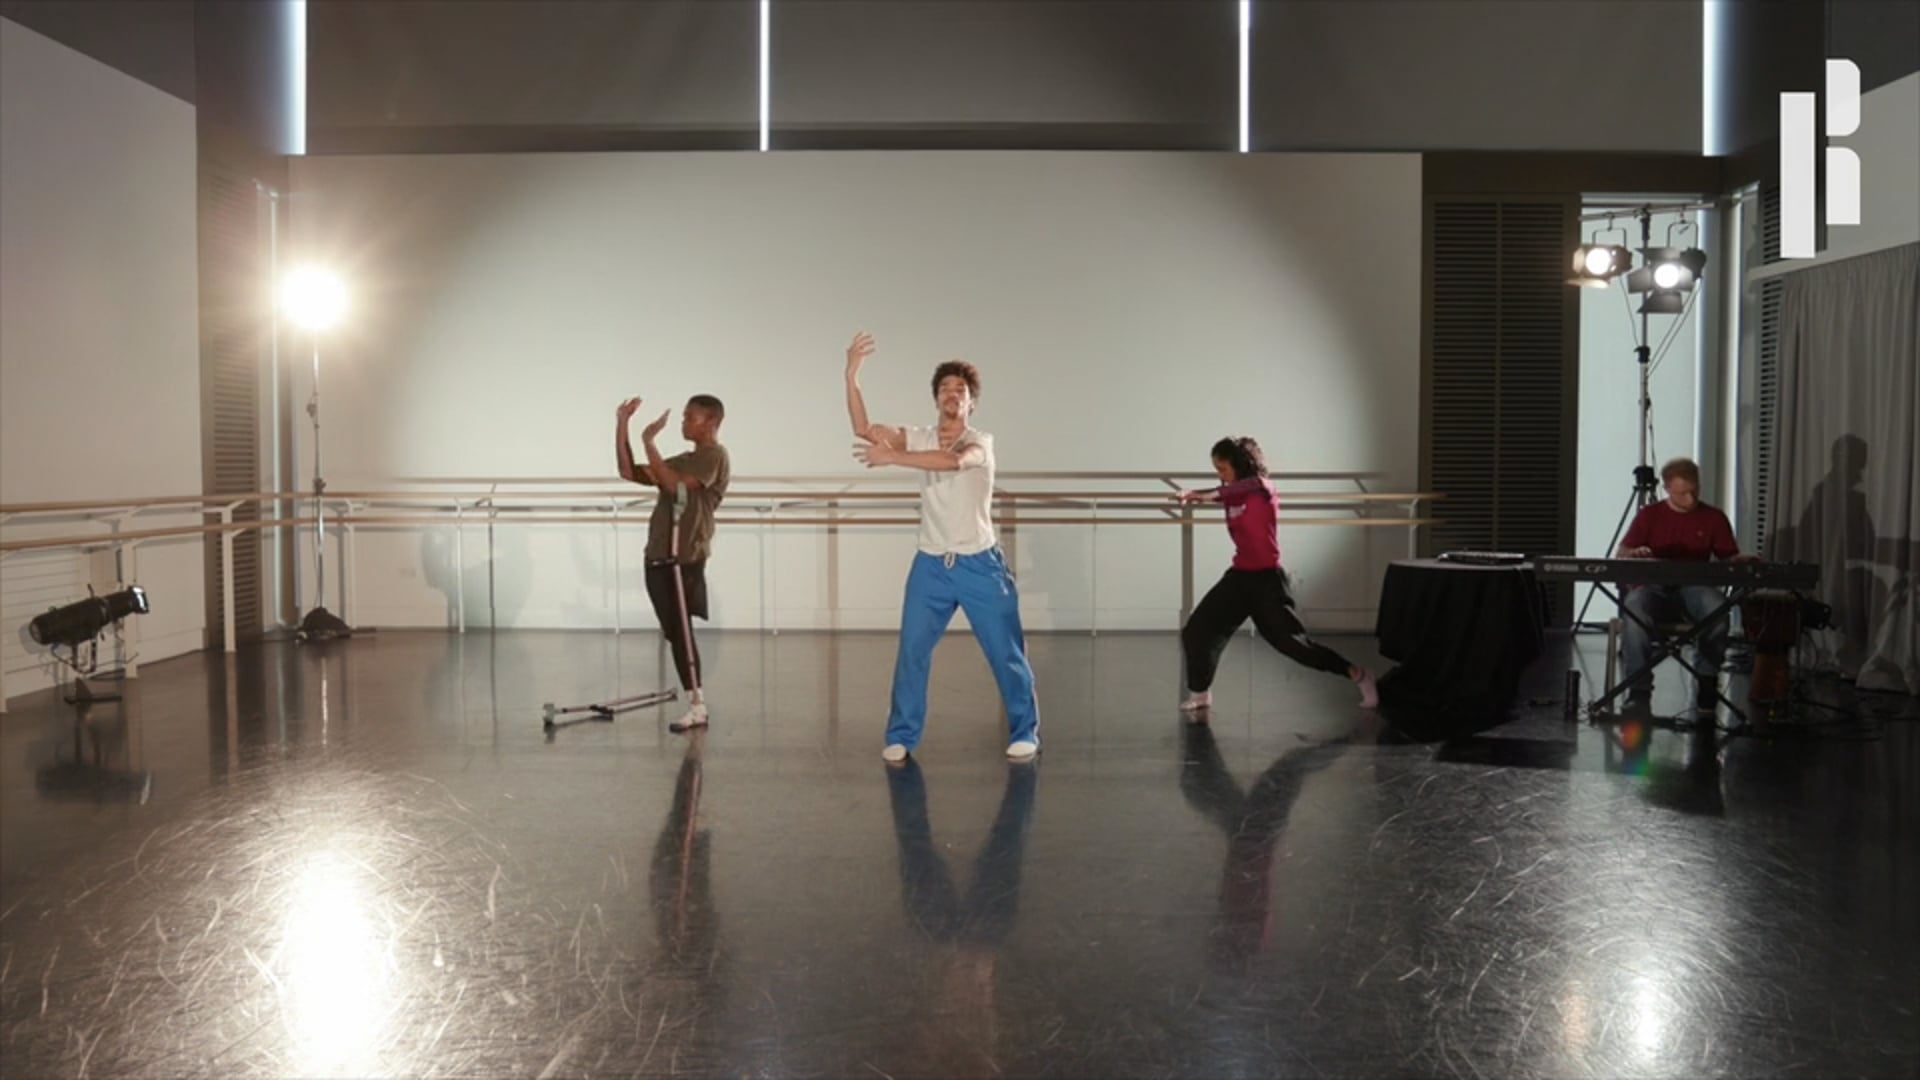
(983, 587)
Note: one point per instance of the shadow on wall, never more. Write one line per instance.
(1866, 578)
(598, 576)
(591, 599)
(498, 574)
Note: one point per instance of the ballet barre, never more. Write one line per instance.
(767, 505)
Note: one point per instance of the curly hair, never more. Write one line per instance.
(961, 368)
(1242, 455)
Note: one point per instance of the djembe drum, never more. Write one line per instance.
(1771, 619)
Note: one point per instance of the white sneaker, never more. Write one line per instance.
(1196, 702)
(1369, 693)
(1022, 750)
(696, 718)
(894, 754)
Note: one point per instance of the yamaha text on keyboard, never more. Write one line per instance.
(1759, 575)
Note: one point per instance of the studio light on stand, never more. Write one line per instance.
(72, 633)
(77, 627)
(1663, 280)
(315, 300)
(1667, 275)
(1596, 265)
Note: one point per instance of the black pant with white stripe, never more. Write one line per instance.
(675, 625)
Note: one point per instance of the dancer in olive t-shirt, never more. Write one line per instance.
(704, 471)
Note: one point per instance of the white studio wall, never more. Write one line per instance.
(1609, 443)
(99, 343)
(1126, 310)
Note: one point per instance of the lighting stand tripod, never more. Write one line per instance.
(1645, 484)
(319, 624)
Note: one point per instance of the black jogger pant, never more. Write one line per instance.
(675, 628)
(1241, 594)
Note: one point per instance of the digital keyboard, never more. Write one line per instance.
(1752, 575)
(1483, 558)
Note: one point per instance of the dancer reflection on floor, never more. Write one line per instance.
(684, 982)
(956, 1035)
(1252, 822)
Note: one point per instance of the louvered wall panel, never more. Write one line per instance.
(233, 314)
(1533, 389)
(1766, 409)
(1769, 224)
(1462, 425)
(1763, 299)
(1500, 348)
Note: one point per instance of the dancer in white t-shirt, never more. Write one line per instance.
(959, 564)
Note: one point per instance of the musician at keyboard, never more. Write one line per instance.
(1684, 529)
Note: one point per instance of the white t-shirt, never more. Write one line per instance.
(956, 508)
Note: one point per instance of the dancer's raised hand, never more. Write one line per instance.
(858, 351)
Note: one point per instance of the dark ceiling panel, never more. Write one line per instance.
(1477, 75)
(245, 58)
(519, 64)
(988, 65)
(151, 40)
(1882, 36)
(1770, 48)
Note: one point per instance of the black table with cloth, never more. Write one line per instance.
(1462, 636)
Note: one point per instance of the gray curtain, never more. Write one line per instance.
(1847, 471)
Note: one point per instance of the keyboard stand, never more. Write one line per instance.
(1664, 647)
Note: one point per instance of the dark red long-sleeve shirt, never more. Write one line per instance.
(1702, 534)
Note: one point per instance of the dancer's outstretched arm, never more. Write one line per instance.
(877, 434)
(1225, 493)
(970, 456)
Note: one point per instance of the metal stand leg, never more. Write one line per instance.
(319, 624)
(1671, 647)
(1643, 478)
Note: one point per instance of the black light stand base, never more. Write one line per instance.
(322, 625)
(83, 695)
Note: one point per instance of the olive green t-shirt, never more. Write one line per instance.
(710, 466)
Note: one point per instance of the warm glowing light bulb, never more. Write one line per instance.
(313, 298)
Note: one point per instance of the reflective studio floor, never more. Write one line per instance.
(366, 858)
